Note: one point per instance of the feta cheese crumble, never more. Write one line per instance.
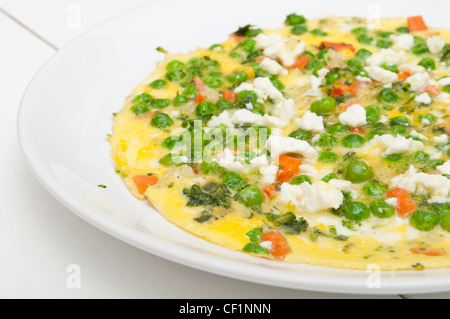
(311, 122)
(272, 66)
(354, 116)
(435, 44)
(309, 198)
(437, 186)
(278, 145)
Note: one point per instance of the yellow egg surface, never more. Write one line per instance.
(324, 142)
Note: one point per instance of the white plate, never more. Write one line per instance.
(66, 113)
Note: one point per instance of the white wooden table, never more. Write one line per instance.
(39, 238)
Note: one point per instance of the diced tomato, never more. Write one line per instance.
(198, 83)
(405, 204)
(270, 190)
(194, 169)
(433, 90)
(336, 46)
(279, 246)
(357, 130)
(417, 24)
(289, 167)
(199, 98)
(144, 181)
(237, 38)
(229, 96)
(148, 115)
(342, 88)
(429, 251)
(301, 63)
(336, 92)
(403, 75)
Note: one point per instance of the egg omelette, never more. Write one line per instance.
(324, 142)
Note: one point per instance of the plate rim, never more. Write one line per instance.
(145, 242)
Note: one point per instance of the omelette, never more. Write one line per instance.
(323, 142)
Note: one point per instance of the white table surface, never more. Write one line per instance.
(39, 238)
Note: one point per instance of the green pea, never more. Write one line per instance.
(428, 63)
(383, 44)
(328, 157)
(355, 64)
(158, 84)
(245, 97)
(387, 95)
(359, 30)
(300, 134)
(338, 129)
(175, 75)
(381, 209)
(424, 220)
(446, 88)
(140, 108)
(445, 221)
(143, 97)
(161, 120)
(353, 141)
(205, 109)
(332, 77)
(251, 196)
(197, 61)
(160, 103)
(364, 39)
(299, 29)
(427, 119)
(255, 248)
(238, 77)
(209, 167)
(327, 140)
(295, 19)
(318, 33)
(384, 34)
(234, 181)
(356, 211)
(222, 105)
(298, 180)
(329, 177)
(363, 54)
(400, 120)
(372, 114)
(358, 172)
(402, 30)
(248, 45)
(398, 130)
(390, 67)
(374, 189)
(209, 64)
(278, 84)
(420, 157)
(190, 92)
(174, 65)
(180, 100)
(420, 49)
(213, 81)
(325, 105)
